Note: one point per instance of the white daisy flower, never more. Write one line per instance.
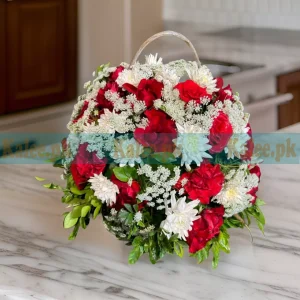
(127, 151)
(105, 190)
(153, 60)
(180, 217)
(202, 76)
(234, 195)
(192, 144)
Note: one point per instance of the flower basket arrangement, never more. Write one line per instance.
(163, 153)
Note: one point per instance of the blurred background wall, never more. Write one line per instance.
(227, 13)
(111, 31)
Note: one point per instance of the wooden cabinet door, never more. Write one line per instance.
(289, 113)
(2, 58)
(41, 52)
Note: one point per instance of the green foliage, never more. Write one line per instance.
(164, 157)
(157, 245)
(40, 178)
(216, 245)
(255, 212)
(52, 186)
(125, 173)
(69, 221)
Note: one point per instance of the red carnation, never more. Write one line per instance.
(223, 93)
(85, 165)
(114, 75)
(127, 193)
(203, 183)
(190, 90)
(250, 146)
(220, 133)
(160, 132)
(83, 109)
(255, 170)
(148, 90)
(205, 228)
(102, 102)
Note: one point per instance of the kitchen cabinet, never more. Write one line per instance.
(289, 113)
(38, 42)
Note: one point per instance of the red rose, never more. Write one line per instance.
(220, 133)
(190, 90)
(85, 165)
(203, 183)
(160, 132)
(223, 93)
(114, 76)
(205, 228)
(148, 90)
(83, 109)
(250, 146)
(127, 193)
(255, 170)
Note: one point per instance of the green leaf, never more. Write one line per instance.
(85, 210)
(76, 191)
(96, 203)
(164, 157)
(138, 241)
(261, 226)
(203, 254)
(223, 240)
(153, 255)
(73, 235)
(178, 249)
(134, 255)
(141, 224)
(82, 223)
(96, 212)
(40, 178)
(125, 173)
(216, 253)
(146, 152)
(128, 207)
(52, 186)
(261, 217)
(69, 222)
(260, 202)
(76, 212)
(123, 214)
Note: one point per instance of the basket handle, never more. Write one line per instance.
(162, 34)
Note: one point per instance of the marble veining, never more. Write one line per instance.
(38, 262)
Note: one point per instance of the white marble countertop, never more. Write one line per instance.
(37, 261)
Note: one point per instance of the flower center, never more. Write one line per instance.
(181, 221)
(231, 193)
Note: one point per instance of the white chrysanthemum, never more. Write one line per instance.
(105, 190)
(234, 195)
(180, 217)
(202, 76)
(237, 145)
(192, 144)
(135, 75)
(127, 151)
(167, 75)
(105, 124)
(153, 60)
